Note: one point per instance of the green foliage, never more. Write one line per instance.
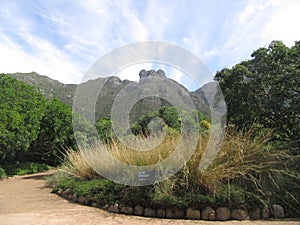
(149, 122)
(21, 109)
(2, 173)
(102, 191)
(143, 123)
(170, 116)
(265, 90)
(204, 125)
(25, 168)
(105, 129)
(171, 131)
(55, 135)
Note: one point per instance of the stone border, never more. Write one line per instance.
(193, 213)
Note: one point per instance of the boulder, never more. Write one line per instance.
(222, 213)
(278, 211)
(208, 213)
(174, 213)
(94, 204)
(113, 208)
(161, 213)
(127, 210)
(81, 200)
(149, 212)
(193, 213)
(255, 214)
(240, 214)
(138, 210)
(265, 213)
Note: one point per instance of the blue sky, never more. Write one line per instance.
(62, 39)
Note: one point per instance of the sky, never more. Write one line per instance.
(63, 39)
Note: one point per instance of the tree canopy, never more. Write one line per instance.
(265, 91)
(21, 109)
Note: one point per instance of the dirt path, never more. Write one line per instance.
(26, 200)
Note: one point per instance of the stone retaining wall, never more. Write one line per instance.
(205, 213)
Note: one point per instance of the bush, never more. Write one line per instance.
(25, 168)
(2, 173)
(248, 170)
(105, 130)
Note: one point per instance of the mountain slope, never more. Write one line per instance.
(112, 86)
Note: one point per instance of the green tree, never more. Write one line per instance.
(170, 116)
(265, 90)
(105, 130)
(55, 136)
(21, 110)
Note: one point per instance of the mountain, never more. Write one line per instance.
(111, 87)
(48, 87)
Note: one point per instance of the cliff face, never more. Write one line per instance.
(153, 73)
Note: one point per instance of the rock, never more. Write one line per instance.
(278, 211)
(149, 212)
(161, 213)
(59, 191)
(255, 214)
(81, 200)
(143, 74)
(138, 210)
(113, 208)
(113, 81)
(105, 206)
(265, 213)
(240, 214)
(152, 73)
(174, 213)
(127, 210)
(72, 197)
(208, 213)
(222, 213)
(94, 204)
(161, 73)
(67, 191)
(193, 213)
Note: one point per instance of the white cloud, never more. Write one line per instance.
(258, 24)
(284, 23)
(74, 35)
(47, 60)
(250, 11)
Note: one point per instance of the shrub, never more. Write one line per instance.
(247, 170)
(26, 168)
(105, 130)
(76, 165)
(2, 173)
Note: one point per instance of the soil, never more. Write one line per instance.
(27, 200)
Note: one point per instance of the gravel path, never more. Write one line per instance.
(26, 200)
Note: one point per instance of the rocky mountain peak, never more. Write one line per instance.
(152, 73)
(113, 80)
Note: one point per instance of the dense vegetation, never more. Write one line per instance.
(32, 128)
(265, 91)
(258, 163)
(21, 110)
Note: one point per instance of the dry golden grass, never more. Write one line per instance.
(242, 154)
(75, 164)
(144, 158)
